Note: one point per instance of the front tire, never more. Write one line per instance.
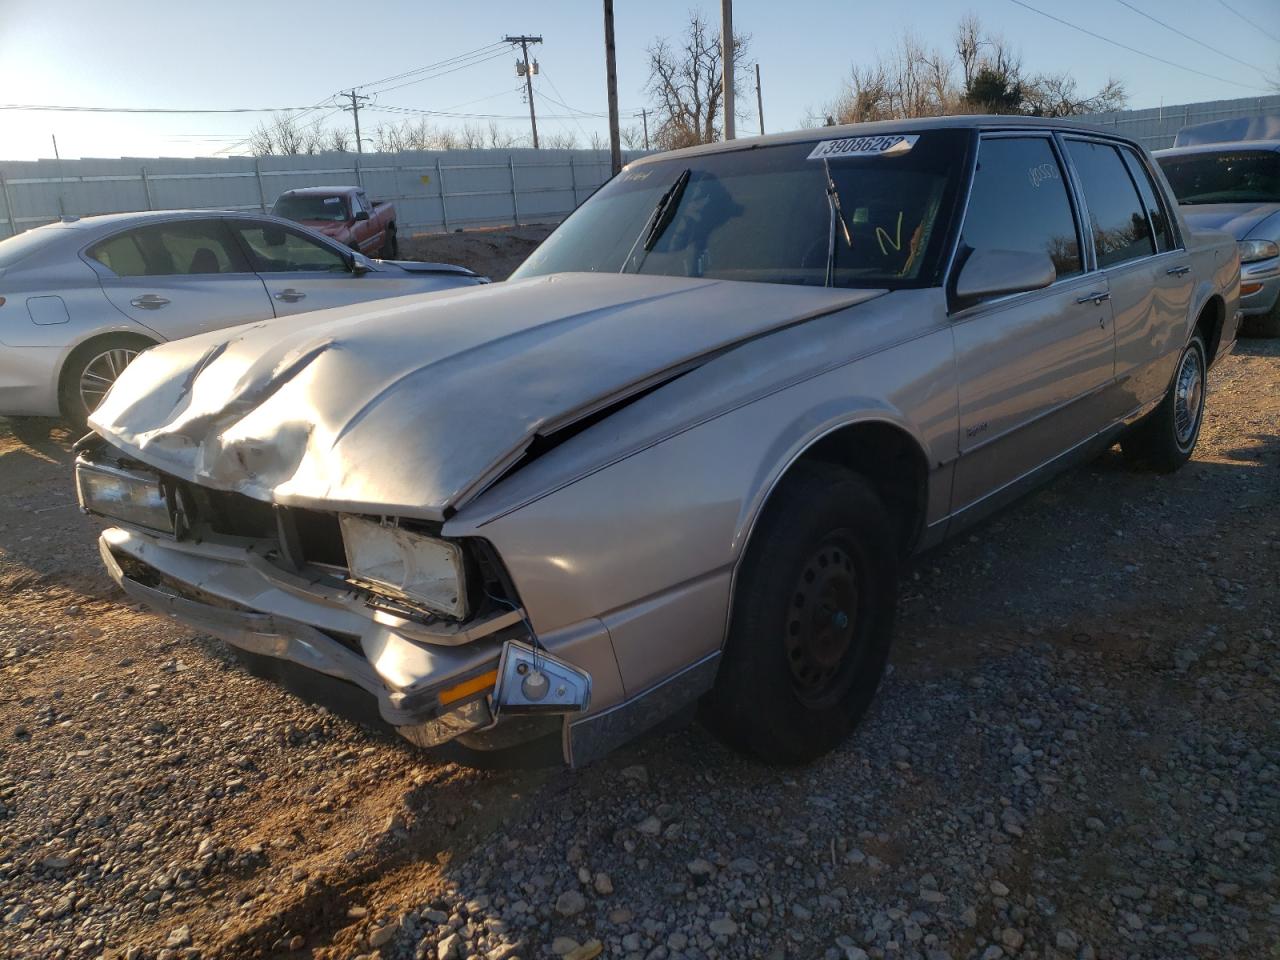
(1165, 440)
(812, 619)
(90, 371)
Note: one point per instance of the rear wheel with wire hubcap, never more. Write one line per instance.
(92, 369)
(1165, 440)
(812, 619)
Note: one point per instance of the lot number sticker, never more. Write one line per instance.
(886, 146)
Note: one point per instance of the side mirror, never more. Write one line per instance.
(996, 273)
(359, 265)
(362, 215)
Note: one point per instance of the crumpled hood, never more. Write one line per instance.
(1237, 219)
(412, 405)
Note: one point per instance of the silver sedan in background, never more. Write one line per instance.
(79, 299)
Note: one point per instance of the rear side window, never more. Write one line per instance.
(1147, 190)
(1117, 217)
(183, 248)
(1019, 202)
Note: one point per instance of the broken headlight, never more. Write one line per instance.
(135, 497)
(406, 564)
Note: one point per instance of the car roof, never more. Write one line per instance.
(318, 191)
(100, 220)
(1230, 146)
(882, 127)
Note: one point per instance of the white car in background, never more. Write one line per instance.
(79, 299)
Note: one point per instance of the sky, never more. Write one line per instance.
(272, 53)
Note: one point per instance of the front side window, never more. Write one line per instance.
(1116, 215)
(277, 250)
(1019, 202)
(1147, 190)
(181, 248)
(311, 208)
(763, 215)
(1225, 176)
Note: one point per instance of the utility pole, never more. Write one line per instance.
(611, 76)
(356, 100)
(726, 54)
(529, 70)
(759, 101)
(644, 118)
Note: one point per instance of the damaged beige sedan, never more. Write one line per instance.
(678, 458)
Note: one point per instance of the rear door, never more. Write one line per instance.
(180, 277)
(302, 273)
(1148, 272)
(1032, 368)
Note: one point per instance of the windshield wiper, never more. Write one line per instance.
(837, 216)
(663, 213)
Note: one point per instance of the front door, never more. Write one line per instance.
(302, 273)
(180, 277)
(1033, 369)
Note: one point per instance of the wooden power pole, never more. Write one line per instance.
(528, 79)
(726, 54)
(611, 71)
(759, 101)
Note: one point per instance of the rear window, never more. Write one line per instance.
(330, 209)
(1232, 176)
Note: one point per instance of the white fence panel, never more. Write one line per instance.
(432, 190)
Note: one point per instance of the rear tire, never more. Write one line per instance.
(812, 619)
(391, 244)
(1165, 440)
(90, 371)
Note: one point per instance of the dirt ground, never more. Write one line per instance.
(1075, 755)
(493, 253)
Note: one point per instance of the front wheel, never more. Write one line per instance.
(811, 622)
(1165, 440)
(1265, 325)
(92, 369)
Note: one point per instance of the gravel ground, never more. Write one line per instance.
(1075, 755)
(494, 253)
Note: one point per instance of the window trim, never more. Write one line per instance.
(1137, 156)
(106, 273)
(1084, 203)
(954, 267)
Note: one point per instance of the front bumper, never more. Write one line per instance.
(1262, 300)
(430, 693)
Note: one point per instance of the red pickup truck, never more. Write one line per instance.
(346, 215)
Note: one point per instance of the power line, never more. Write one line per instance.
(1221, 53)
(1141, 53)
(1252, 23)
(75, 109)
(431, 66)
(441, 73)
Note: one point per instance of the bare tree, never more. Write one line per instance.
(282, 135)
(559, 140)
(686, 79)
(916, 81)
(632, 137)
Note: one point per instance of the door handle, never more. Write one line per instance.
(149, 301)
(1178, 271)
(290, 295)
(1096, 298)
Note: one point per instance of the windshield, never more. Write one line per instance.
(764, 215)
(1235, 176)
(332, 209)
